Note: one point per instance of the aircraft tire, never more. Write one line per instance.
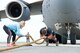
(73, 39)
(64, 39)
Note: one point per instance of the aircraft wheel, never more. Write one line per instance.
(73, 38)
(64, 39)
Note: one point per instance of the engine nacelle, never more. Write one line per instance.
(17, 11)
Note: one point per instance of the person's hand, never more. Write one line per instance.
(28, 35)
(43, 37)
(51, 37)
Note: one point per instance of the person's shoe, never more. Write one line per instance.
(9, 45)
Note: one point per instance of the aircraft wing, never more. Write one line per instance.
(3, 14)
(3, 3)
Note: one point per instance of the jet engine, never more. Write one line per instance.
(17, 11)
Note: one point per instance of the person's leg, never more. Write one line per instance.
(8, 38)
(9, 35)
(56, 41)
(47, 41)
(13, 38)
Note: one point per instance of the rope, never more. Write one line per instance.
(16, 39)
(18, 46)
(31, 38)
(36, 42)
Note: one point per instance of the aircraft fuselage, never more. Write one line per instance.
(63, 16)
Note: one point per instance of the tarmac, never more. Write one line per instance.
(52, 48)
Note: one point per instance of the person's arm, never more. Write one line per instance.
(43, 36)
(18, 32)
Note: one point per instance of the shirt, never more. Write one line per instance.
(15, 27)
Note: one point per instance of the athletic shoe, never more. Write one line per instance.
(9, 45)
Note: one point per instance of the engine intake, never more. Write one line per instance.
(17, 11)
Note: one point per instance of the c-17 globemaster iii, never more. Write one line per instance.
(63, 16)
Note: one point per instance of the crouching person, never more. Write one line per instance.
(47, 34)
(12, 30)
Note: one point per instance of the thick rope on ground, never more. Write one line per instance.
(36, 42)
(31, 38)
(18, 46)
